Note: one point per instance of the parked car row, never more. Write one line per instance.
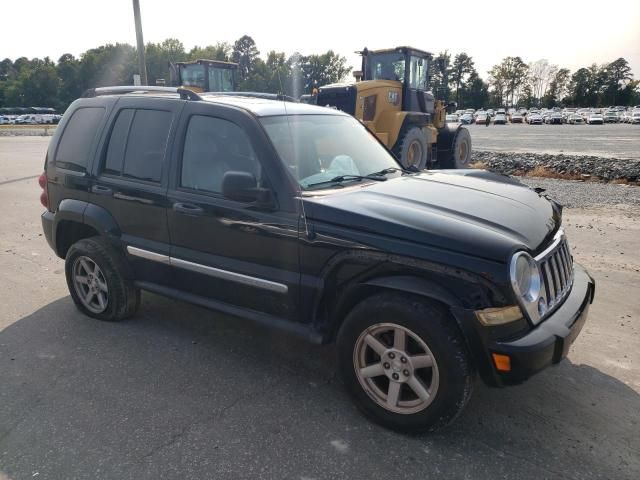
(30, 119)
(554, 116)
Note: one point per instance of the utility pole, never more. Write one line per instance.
(141, 61)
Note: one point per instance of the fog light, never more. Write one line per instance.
(542, 306)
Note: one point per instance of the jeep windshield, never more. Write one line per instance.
(326, 151)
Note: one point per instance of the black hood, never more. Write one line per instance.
(480, 216)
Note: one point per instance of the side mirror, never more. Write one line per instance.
(243, 187)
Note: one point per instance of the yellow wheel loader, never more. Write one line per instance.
(391, 97)
(205, 75)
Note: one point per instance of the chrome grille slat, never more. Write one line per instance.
(556, 268)
(565, 264)
(561, 274)
(549, 283)
(556, 276)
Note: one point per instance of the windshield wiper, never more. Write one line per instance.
(391, 170)
(346, 178)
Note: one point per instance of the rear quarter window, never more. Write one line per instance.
(78, 137)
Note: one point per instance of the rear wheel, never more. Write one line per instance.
(412, 148)
(404, 362)
(99, 280)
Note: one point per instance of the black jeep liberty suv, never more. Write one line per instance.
(296, 217)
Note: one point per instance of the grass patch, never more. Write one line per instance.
(479, 165)
(544, 172)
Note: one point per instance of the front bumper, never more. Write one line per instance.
(544, 345)
(549, 342)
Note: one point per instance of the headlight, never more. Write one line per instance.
(526, 283)
(525, 277)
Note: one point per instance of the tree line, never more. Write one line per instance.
(513, 82)
(43, 82)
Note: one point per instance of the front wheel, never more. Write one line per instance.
(404, 362)
(459, 156)
(412, 148)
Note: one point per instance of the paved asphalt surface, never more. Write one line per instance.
(619, 140)
(181, 392)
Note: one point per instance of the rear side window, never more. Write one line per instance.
(78, 136)
(137, 144)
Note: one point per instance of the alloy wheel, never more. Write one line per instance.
(396, 368)
(90, 284)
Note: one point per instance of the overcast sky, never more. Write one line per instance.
(566, 32)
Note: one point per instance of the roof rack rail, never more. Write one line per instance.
(184, 93)
(263, 95)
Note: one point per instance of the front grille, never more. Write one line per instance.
(556, 269)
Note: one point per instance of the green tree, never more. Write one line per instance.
(219, 51)
(585, 86)
(158, 56)
(558, 88)
(615, 76)
(507, 78)
(245, 53)
(108, 65)
(440, 72)
(323, 69)
(478, 91)
(70, 82)
(36, 85)
(461, 70)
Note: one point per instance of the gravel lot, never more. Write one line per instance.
(578, 194)
(617, 140)
(182, 392)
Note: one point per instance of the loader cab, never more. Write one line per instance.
(407, 65)
(206, 76)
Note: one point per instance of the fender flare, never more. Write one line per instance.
(417, 286)
(85, 213)
(446, 136)
(101, 220)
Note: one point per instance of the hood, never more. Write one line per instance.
(467, 211)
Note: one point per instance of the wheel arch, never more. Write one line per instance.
(342, 289)
(75, 220)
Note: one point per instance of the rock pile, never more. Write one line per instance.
(577, 166)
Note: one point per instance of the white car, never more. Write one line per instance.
(635, 117)
(4, 120)
(453, 118)
(595, 119)
(575, 119)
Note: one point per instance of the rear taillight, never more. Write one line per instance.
(44, 196)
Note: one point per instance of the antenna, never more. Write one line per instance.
(284, 104)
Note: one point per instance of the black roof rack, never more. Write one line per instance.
(184, 93)
(263, 95)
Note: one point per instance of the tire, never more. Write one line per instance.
(411, 148)
(449, 380)
(460, 154)
(107, 293)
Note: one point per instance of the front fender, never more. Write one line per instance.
(416, 285)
